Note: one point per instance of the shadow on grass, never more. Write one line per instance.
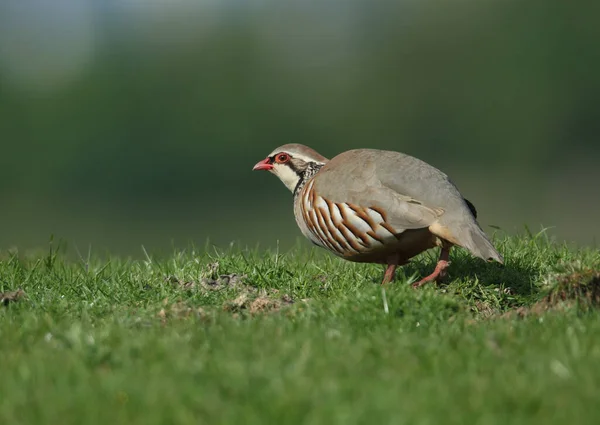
(520, 277)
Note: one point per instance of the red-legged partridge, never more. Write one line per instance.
(375, 206)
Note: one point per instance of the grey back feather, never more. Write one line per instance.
(414, 193)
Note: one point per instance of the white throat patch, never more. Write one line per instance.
(288, 176)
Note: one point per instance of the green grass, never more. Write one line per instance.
(300, 337)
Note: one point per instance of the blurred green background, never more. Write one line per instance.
(126, 123)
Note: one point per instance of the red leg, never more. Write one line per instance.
(390, 272)
(440, 268)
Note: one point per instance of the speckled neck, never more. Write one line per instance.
(312, 169)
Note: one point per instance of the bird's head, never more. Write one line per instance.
(292, 163)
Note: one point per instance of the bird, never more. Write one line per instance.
(378, 206)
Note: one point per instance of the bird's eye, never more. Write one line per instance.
(282, 158)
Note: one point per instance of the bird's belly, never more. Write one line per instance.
(405, 246)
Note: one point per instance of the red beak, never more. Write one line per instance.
(265, 164)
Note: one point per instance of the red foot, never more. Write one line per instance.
(438, 273)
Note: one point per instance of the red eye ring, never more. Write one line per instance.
(282, 158)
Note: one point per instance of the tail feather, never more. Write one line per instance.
(471, 207)
(477, 242)
(467, 233)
